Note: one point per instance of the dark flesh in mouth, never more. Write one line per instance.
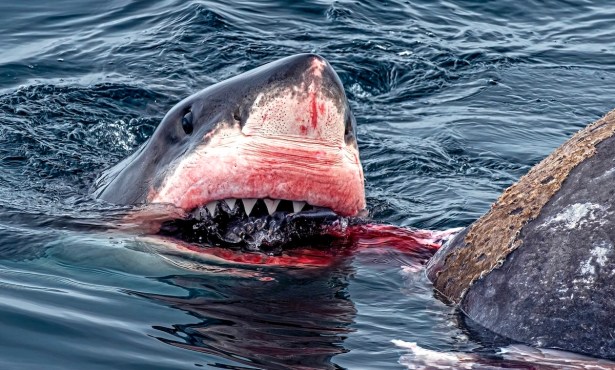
(263, 225)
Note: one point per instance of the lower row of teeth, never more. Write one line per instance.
(249, 203)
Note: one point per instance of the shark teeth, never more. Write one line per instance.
(272, 205)
(211, 207)
(248, 205)
(231, 203)
(298, 206)
(230, 206)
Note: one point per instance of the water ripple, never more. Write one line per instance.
(455, 100)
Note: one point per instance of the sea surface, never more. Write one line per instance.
(455, 100)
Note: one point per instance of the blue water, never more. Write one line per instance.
(455, 100)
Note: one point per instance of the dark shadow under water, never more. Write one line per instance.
(297, 320)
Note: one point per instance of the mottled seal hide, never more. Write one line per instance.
(539, 267)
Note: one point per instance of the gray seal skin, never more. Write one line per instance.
(539, 267)
(281, 132)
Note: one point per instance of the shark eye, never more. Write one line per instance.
(187, 123)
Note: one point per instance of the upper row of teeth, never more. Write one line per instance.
(249, 203)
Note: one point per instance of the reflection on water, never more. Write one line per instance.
(299, 319)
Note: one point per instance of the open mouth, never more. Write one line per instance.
(265, 225)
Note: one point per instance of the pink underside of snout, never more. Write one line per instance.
(233, 165)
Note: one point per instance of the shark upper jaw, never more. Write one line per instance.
(282, 173)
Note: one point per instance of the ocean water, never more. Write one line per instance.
(455, 100)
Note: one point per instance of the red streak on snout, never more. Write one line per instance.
(316, 69)
(314, 111)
